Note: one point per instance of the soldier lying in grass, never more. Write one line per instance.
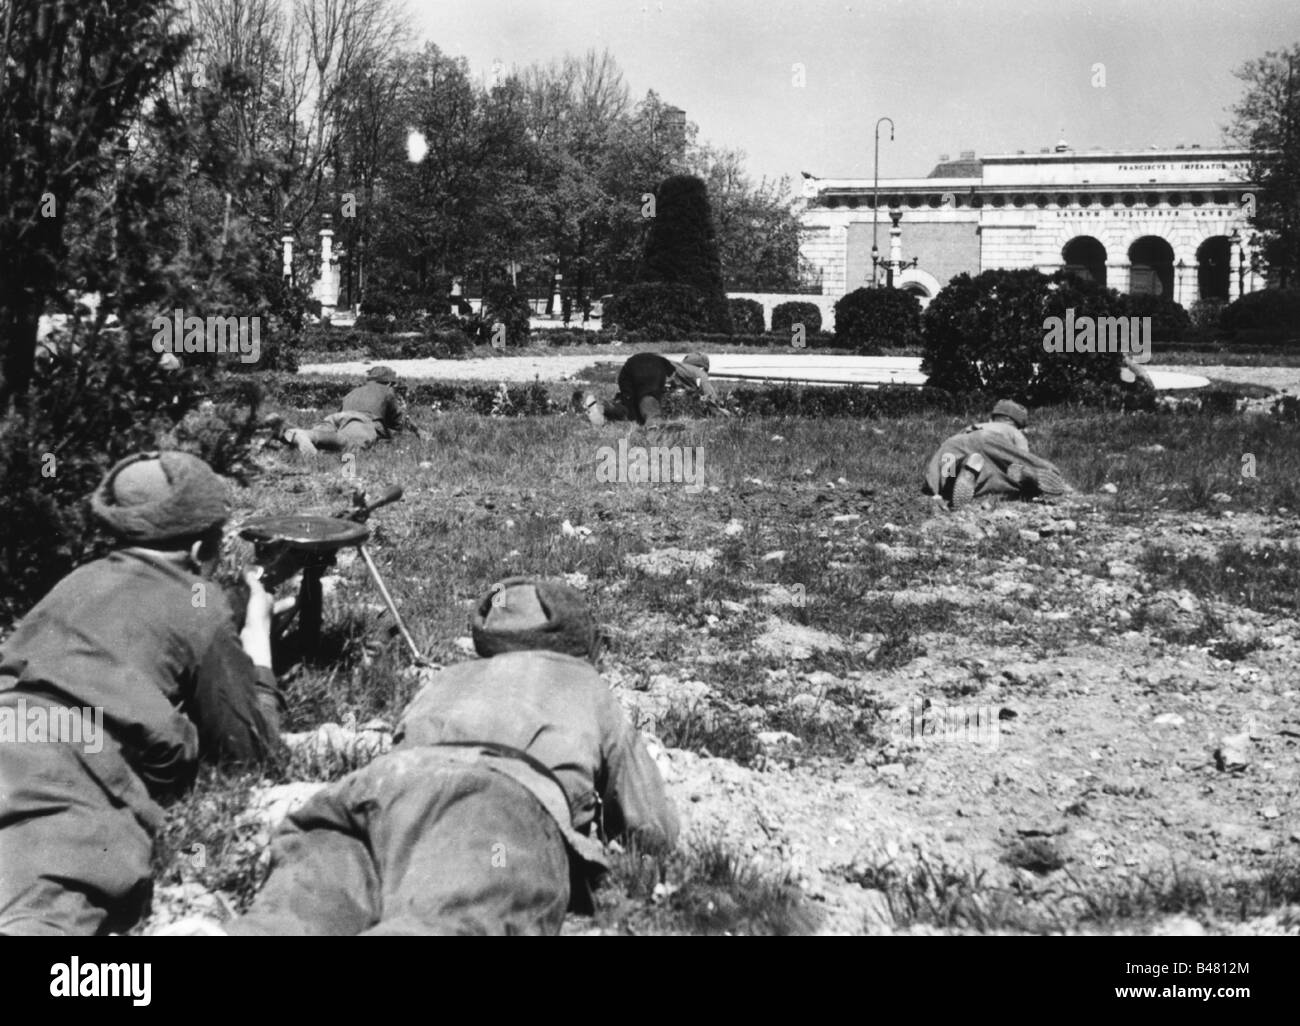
(487, 815)
(991, 458)
(141, 642)
(368, 413)
(642, 382)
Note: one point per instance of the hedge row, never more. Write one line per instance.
(326, 393)
(776, 400)
(342, 343)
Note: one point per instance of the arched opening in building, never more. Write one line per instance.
(1086, 257)
(1214, 270)
(1151, 260)
(922, 284)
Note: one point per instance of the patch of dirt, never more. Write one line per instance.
(669, 561)
(794, 641)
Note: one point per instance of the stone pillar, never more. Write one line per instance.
(895, 247)
(1192, 287)
(286, 247)
(1117, 276)
(557, 303)
(327, 287)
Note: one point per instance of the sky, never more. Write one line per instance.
(993, 76)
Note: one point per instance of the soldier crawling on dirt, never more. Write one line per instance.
(481, 818)
(991, 458)
(369, 412)
(642, 382)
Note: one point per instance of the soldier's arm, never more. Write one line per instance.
(397, 418)
(237, 704)
(636, 805)
(700, 380)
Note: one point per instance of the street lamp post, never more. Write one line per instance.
(875, 199)
(895, 263)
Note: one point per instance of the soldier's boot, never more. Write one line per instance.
(300, 440)
(595, 409)
(1036, 481)
(963, 489)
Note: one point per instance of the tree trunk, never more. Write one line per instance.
(19, 321)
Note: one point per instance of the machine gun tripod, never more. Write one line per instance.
(285, 546)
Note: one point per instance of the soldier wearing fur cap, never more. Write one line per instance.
(991, 458)
(368, 413)
(489, 813)
(642, 382)
(144, 642)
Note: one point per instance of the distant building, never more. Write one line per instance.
(1169, 222)
(674, 128)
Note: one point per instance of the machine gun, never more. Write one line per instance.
(288, 545)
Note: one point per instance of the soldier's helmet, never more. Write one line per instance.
(1016, 413)
(522, 614)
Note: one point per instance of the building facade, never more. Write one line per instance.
(1168, 222)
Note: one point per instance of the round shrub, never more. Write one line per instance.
(675, 310)
(746, 316)
(867, 320)
(786, 315)
(1169, 321)
(1207, 315)
(450, 343)
(682, 245)
(991, 333)
(1275, 310)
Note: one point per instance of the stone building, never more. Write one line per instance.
(1170, 222)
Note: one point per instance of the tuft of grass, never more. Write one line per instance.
(1179, 890)
(708, 731)
(937, 893)
(710, 888)
(206, 840)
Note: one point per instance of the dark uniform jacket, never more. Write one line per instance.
(558, 710)
(378, 401)
(649, 374)
(153, 645)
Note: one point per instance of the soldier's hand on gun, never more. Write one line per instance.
(256, 635)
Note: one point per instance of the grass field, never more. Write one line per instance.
(768, 627)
